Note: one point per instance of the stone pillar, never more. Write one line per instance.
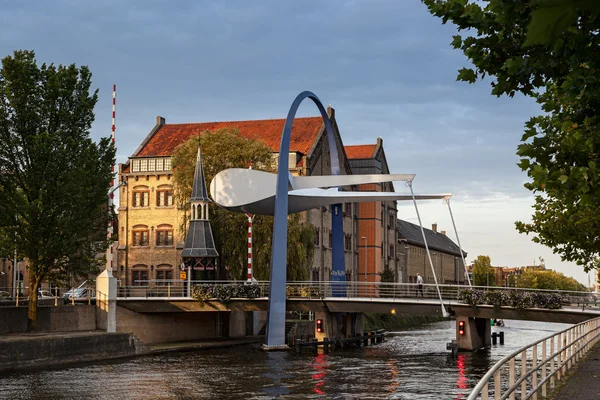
(106, 301)
(339, 324)
(477, 333)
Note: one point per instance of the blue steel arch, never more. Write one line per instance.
(277, 301)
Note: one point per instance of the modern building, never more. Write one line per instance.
(150, 243)
(412, 255)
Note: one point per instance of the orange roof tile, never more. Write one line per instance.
(169, 136)
(360, 151)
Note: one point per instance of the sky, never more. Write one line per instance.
(386, 66)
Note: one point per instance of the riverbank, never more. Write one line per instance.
(374, 321)
(25, 351)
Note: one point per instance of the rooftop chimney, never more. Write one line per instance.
(434, 227)
(160, 121)
(443, 233)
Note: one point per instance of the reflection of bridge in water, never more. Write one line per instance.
(355, 298)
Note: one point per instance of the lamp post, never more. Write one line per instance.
(365, 264)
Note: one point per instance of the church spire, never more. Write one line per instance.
(199, 192)
(199, 247)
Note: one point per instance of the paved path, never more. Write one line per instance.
(584, 382)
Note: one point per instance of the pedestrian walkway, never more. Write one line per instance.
(584, 381)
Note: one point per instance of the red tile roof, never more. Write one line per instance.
(169, 136)
(360, 151)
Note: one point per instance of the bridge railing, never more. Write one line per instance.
(351, 289)
(536, 368)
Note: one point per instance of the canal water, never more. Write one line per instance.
(410, 364)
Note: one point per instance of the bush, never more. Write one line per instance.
(512, 298)
(224, 293)
(472, 296)
(302, 291)
(497, 298)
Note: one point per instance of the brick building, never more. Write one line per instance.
(377, 220)
(150, 244)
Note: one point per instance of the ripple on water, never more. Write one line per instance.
(410, 364)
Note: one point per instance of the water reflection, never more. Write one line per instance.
(461, 381)
(320, 366)
(411, 364)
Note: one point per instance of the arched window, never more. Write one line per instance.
(164, 273)
(139, 275)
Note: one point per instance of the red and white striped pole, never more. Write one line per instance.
(112, 183)
(250, 219)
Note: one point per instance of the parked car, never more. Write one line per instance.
(45, 294)
(79, 294)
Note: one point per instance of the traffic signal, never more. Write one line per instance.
(319, 325)
(461, 327)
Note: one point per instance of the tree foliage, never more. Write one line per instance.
(560, 69)
(223, 149)
(53, 178)
(547, 279)
(483, 273)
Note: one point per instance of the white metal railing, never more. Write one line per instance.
(535, 368)
(47, 297)
(372, 290)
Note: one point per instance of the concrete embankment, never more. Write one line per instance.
(25, 351)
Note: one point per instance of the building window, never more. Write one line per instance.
(164, 198)
(315, 275)
(391, 253)
(144, 165)
(167, 164)
(141, 199)
(347, 242)
(317, 237)
(163, 275)
(164, 238)
(140, 238)
(330, 240)
(135, 165)
(139, 277)
(347, 208)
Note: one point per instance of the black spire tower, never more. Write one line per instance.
(199, 251)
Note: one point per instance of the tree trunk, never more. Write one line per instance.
(34, 284)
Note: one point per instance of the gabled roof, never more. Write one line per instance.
(360, 151)
(164, 138)
(435, 240)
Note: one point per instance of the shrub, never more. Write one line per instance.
(514, 298)
(472, 296)
(224, 293)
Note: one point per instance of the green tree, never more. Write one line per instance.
(54, 179)
(224, 149)
(547, 279)
(560, 148)
(551, 18)
(483, 273)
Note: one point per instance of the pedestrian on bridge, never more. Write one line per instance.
(419, 285)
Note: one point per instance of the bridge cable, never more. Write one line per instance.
(447, 201)
(444, 312)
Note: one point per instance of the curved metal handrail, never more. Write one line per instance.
(576, 341)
